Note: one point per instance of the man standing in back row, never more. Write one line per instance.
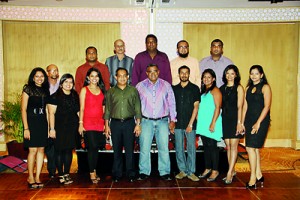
(91, 61)
(216, 61)
(119, 60)
(151, 56)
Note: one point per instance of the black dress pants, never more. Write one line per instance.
(122, 136)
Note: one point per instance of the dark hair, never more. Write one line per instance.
(217, 40)
(90, 47)
(152, 65)
(184, 67)
(182, 41)
(151, 36)
(62, 80)
(119, 69)
(203, 87)
(100, 82)
(237, 79)
(45, 84)
(261, 71)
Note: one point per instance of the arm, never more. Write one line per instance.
(81, 111)
(218, 103)
(240, 102)
(172, 108)
(24, 103)
(266, 90)
(52, 111)
(244, 111)
(193, 117)
(138, 114)
(135, 71)
(78, 80)
(168, 70)
(106, 76)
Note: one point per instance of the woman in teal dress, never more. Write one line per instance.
(209, 123)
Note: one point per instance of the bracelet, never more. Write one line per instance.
(191, 126)
(52, 129)
(80, 122)
(25, 129)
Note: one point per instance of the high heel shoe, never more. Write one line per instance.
(205, 175)
(233, 175)
(261, 181)
(251, 186)
(212, 179)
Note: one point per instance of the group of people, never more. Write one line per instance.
(146, 97)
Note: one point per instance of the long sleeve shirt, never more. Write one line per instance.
(83, 69)
(122, 104)
(113, 63)
(143, 59)
(157, 99)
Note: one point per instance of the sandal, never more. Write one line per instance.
(33, 185)
(40, 185)
(93, 178)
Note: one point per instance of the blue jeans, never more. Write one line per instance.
(186, 165)
(159, 129)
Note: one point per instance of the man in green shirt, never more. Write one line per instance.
(122, 123)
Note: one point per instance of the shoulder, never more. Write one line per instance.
(216, 91)
(205, 59)
(224, 58)
(128, 58)
(266, 88)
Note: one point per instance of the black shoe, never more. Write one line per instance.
(51, 175)
(142, 177)
(251, 186)
(131, 179)
(166, 177)
(116, 179)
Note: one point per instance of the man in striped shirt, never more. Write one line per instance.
(158, 119)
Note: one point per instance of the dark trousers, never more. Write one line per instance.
(50, 153)
(122, 136)
(211, 153)
(63, 160)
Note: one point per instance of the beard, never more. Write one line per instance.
(183, 55)
(184, 79)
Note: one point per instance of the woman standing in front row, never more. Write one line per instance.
(91, 122)
(256, 113)
(209, 123)
(34, 116)
(232, 106)
(63, 109)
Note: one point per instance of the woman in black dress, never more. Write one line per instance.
(63, 109)
(232, 104)
(256, 113)
(34, 117)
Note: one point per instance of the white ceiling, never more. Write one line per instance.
(148, 3)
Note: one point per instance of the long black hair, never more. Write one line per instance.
(205, 90)
(237, 79)
(100, 82)
(31, 83)
(261, 71)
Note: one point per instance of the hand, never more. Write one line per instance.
(255, 128)
(81, 129)
(172, 127)
(212, 127)
(240, 129)
(27, 134)
(52, 133)
(188, 129)
(137, 130)
(107, 132)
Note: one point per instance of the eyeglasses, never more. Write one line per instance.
(183, 47)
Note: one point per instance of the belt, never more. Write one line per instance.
(155, 119)
(122, 120)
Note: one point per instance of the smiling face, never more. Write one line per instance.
(208, 80)
(39, 78)
(230, 75)
(152, 73)
(183, 49)
(184, 75)
(67, 85)
(151, 44)
(119, 47)
(122, 77)
(255, 76)
(52, 72)
(94, 78)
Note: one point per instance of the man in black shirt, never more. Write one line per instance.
(187, 96)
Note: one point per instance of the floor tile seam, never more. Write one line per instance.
(179, 189)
